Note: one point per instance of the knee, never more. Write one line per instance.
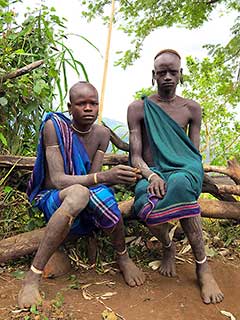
(76, 199)
(180, 183)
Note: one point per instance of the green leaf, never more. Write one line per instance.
(18, 274)
(33, 309)
(7, 189)
(3, 139)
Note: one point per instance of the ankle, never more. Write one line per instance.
(32, 277)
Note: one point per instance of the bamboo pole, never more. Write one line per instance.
(106, 64)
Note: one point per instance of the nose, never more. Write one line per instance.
(88, 107)
(167, 76)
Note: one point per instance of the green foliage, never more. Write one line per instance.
(144, 92)
(138, 18)
(16, 215)
(211, 83)
(24, 100)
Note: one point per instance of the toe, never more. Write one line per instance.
(206, 299)
(131, 283)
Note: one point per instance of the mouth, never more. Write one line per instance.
(168, 84)
(88, 117)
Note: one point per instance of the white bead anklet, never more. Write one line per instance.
(35, 270)
(122, 252)
(169, 245)
(202, 261)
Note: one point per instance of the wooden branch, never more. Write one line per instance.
(229, 189)
(21, 71)
(232, 170)
(219, 209)
(20, 245)
(28, 242)
(210, 186)
(7, 161)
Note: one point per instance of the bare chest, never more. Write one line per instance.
(180, 113)
(91, 143)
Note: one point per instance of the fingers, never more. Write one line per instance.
(126, 168)
(157, 188)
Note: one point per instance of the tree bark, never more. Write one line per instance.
(7, 161)
(210, 186)
(229, 189)
(232, 170)
(21, 71)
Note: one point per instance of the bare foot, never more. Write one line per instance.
(168, 268)
(210, 291)
(29, 293)
(133, 276)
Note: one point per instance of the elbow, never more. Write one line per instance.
(58, 183)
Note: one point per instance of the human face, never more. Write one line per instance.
(84, 105)
(167, 72)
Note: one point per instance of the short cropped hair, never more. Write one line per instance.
(73, 88)
(167, 51)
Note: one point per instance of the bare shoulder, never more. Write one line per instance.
(101, 131)
(135, 110)
(49, 126)
(136, 104)
(191, 104)
(49, 133)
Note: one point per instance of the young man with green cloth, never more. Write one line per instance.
(164, 142)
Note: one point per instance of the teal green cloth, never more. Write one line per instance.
(177, 161)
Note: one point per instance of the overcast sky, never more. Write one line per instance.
(122, 84)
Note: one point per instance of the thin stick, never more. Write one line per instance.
(106, 64)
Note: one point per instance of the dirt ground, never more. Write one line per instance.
(77, 296)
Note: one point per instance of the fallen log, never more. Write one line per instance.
(19, 162)
(231, 189)
(219, 209)
(210, 186)
(28, 242)
(232, 170)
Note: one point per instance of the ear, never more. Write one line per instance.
(181, 76)
(69, 108)
(153, 77)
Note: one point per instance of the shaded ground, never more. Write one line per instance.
(159, 298)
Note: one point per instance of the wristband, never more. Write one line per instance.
(95, 178)
(151, 175)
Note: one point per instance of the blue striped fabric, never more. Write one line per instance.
(102, 210)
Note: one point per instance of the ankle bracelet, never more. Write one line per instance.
(169, 245)
(35, 270)
(202, 261)
(121, 253)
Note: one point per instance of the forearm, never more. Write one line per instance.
(63, 181)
